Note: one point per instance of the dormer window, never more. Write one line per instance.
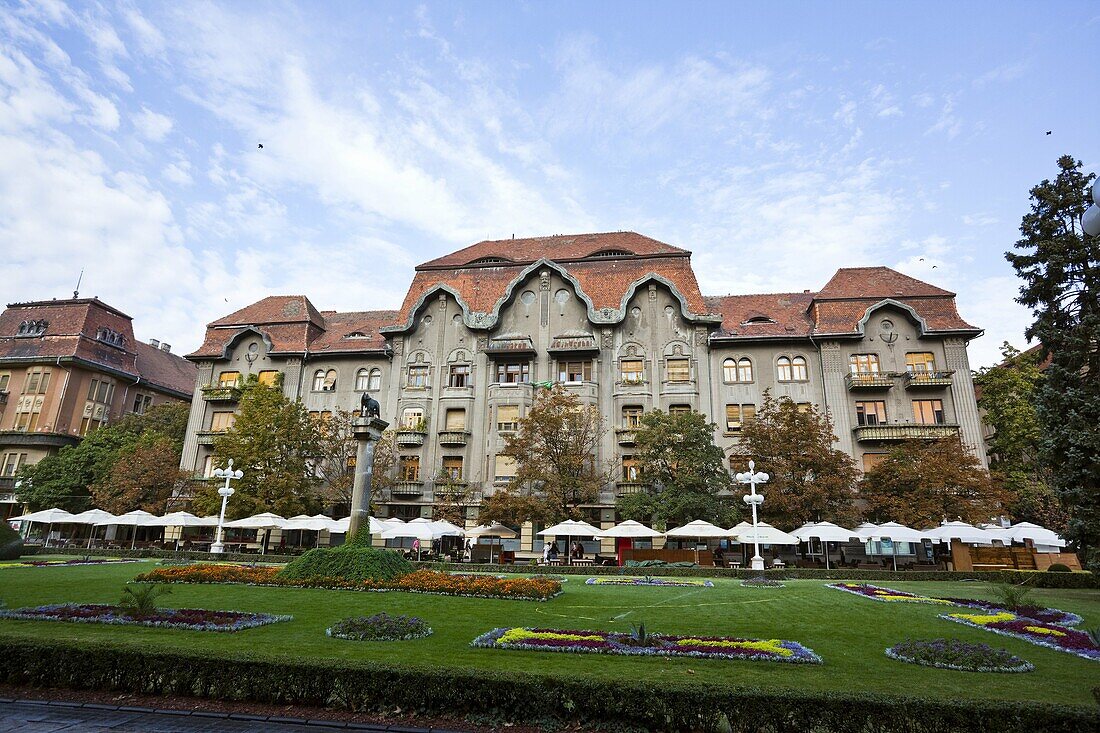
(757, 320)
(490, 261)
(612, 253)
(110, 336)
(357, 335)
(32, 328)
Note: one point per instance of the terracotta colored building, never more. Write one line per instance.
(66, 368)
(619, 319)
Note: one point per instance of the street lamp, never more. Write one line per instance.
(225, 492)
(754, 500)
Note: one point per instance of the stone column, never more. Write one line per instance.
(367, 430)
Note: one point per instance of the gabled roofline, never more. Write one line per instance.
(605, 316)
(924, 330)
(475, 265)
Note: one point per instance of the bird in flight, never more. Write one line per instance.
(261, 145)
(1049, 131)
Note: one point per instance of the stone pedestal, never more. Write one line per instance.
(367, 431)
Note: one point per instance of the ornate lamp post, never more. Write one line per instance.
(754, 500)
(225, 492)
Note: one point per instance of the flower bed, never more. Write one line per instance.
(664, 582)
(1051, 636)
(421, 581)
(610, 642)
(60, 563)
(761, 582)
(876, 593)
(195, 619)
(380, 627)
(960, 655)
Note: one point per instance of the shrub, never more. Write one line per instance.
(348, 562)
(1012, 596)
(141, 601)
(956, 654)
(11, 544)
(1059, 568)
(380, 627)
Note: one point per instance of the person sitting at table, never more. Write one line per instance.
(719, 557)
(578, 550)
(553, 551)
(546, 551)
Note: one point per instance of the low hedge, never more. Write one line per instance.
(11, 544)
(169, 554)
(348, 562)
(517, 697)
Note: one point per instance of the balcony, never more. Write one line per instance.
(453, 437)
(626, 436)
(3, 397)
(877, 433)
(207, 437)
(921, 380)
(410, 436)
(37, 439)
(407, 488)
(461, 493)
(626, 488)
(221, 393)
(869, 380)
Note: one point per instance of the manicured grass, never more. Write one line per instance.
(848, 632)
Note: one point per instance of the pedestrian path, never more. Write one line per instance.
(32, 716)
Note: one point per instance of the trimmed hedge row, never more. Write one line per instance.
(517, 697)
(171, 554)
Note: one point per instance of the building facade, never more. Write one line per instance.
(618, 318)
(68, 367)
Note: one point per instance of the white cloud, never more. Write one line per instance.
(152, 125)
(178, 172)
(948, 122)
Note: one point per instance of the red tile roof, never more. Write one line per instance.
(356, 331)
(743, 316)
(560, 248)
(71, 333)
(876, 282)
(274, 309)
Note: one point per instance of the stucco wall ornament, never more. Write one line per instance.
(887, 332)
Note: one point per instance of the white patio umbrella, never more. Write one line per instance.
(766, 535)
(422, 531)
(1036, 533)
(447, 529)
(498, 530)
(960, 531)
(265, 521)
(185, 519)
(698, 529)
(896, 533)
(825, 532)
(629, 529)
(307, 522)
(570, 528)
(1000, 534)
(94, 517)
(135, 519)
(49, 517)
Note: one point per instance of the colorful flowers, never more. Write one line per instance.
(421, 581)
(960, 655)
(1049, 635)
(761, 582)
(61, 563)
(380, 627)
(194, 619)
(875, 593)
(611, 642)
(681, 583)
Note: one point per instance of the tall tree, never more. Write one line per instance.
(685, 470)
(144, 476)
(1060, 267)
(1007, 399)
(274, 442)
(809, 479)
(334, 456)
(452, 495)
(63, 479)
(922, 482)
(168, 420)
(555, 448)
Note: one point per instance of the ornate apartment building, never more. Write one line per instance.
(618, 318)
(68, 367)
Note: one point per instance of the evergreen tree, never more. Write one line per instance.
(809, 479)
(1060, 267)
(274, 441)
(686, 472)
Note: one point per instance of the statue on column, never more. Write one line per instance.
(368, 406)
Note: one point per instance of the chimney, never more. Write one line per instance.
(166, 347)
(154, 343)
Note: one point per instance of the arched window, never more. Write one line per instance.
(362, 378)
(783, 369)
(798, 369)
(374, 381)
(729, 371)
(318, 380)
(412, 418)
(744, 369)
(330, 381)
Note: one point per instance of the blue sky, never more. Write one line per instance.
(777, 141)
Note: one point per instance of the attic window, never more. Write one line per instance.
(490, 261)
(612, 253)
(357, 335)
(110, 336)
(32, 328)
(757, 319)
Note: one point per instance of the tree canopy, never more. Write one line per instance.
(274, 442)
(1060, 269)
(810, 480)
(685, 471)
(922, 482)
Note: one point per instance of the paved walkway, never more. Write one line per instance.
(26, 716)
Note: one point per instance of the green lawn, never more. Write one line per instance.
(848, 632)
